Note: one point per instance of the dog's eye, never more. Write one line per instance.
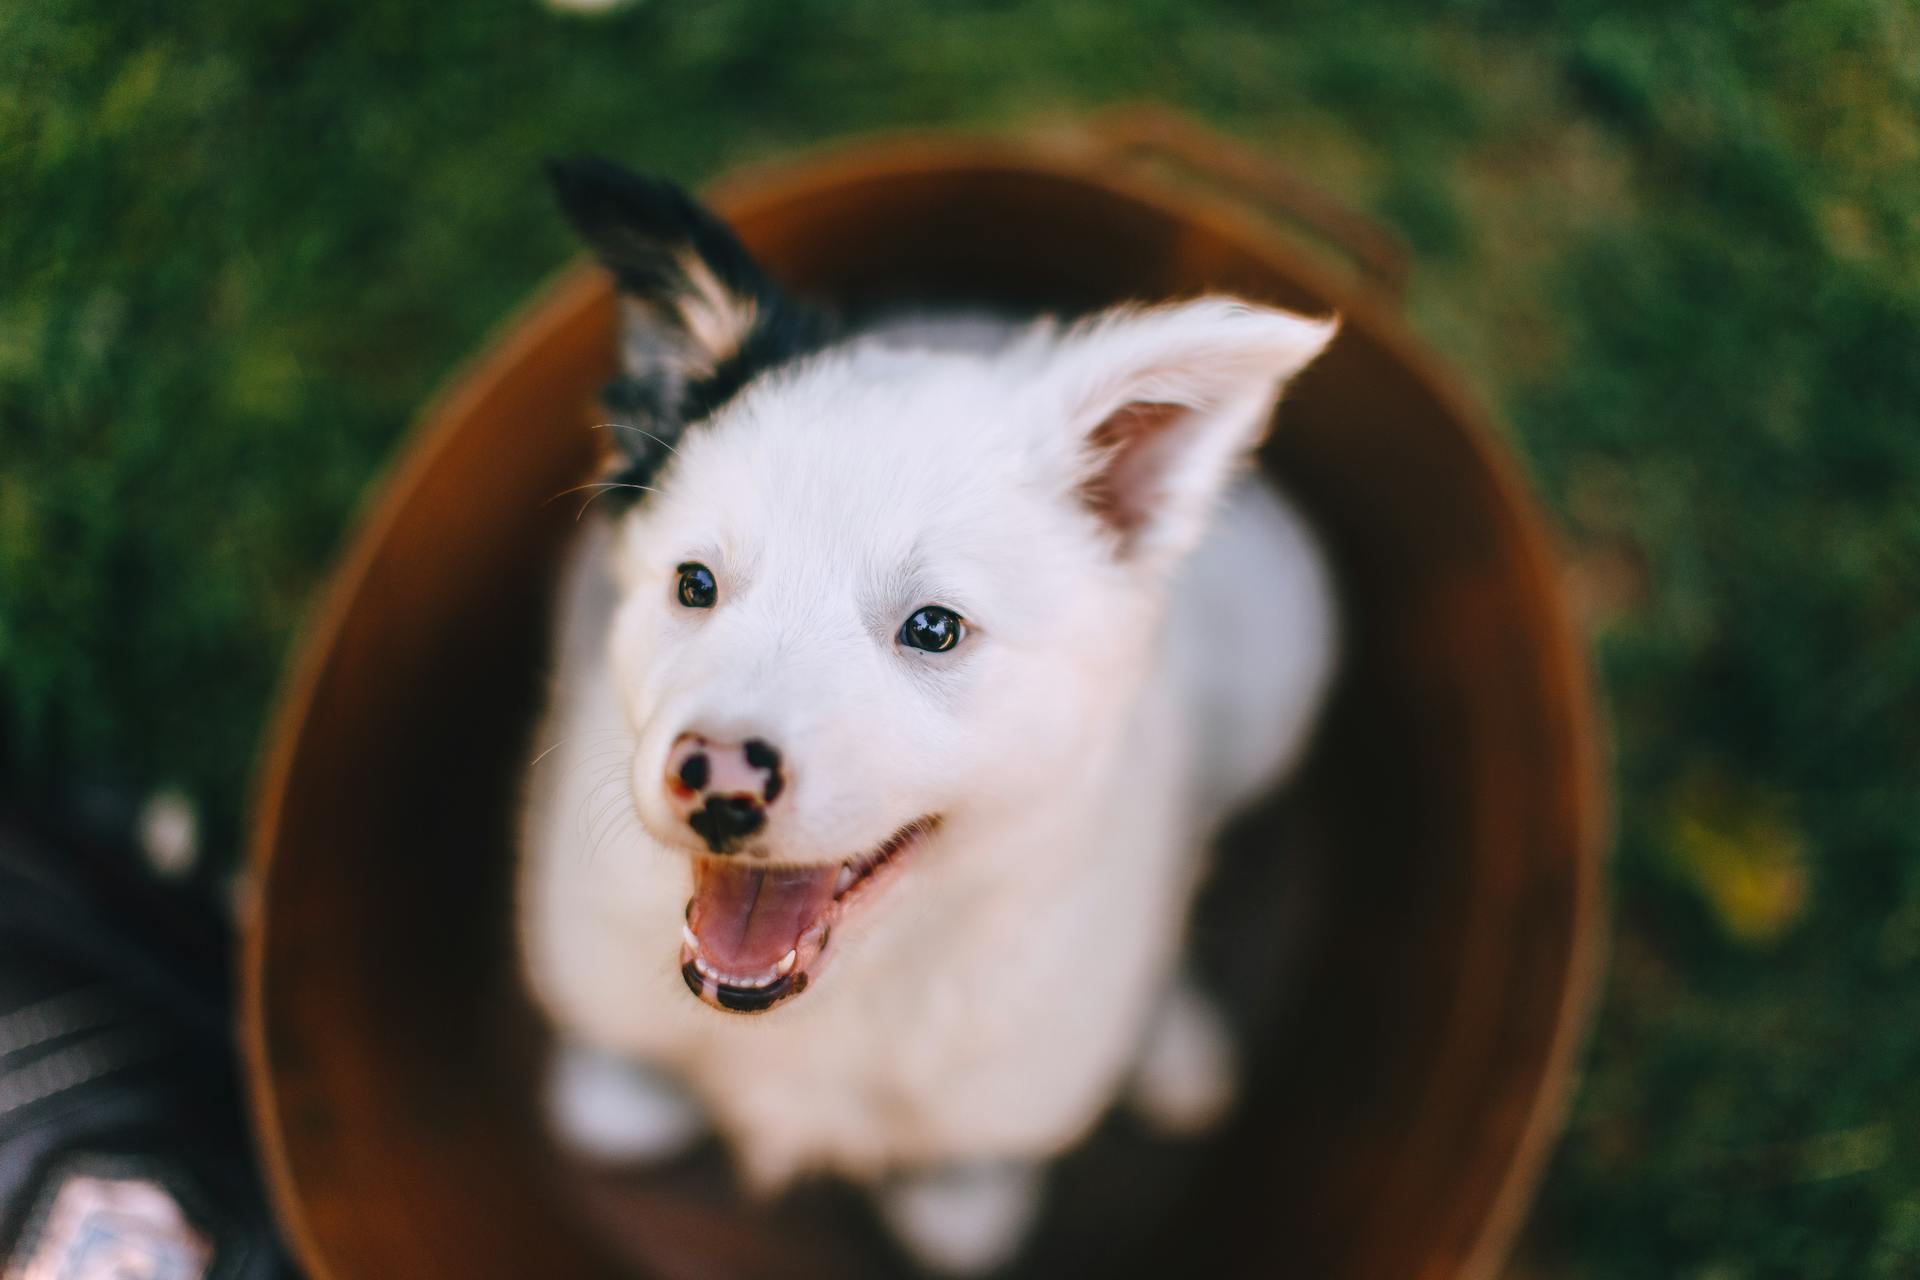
(697, 587)
(932, 628)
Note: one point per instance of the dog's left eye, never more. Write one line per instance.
(697, 589)
(933, 628)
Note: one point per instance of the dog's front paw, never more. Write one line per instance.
(611, 1108)
(1185, 1081)
(965, 1219)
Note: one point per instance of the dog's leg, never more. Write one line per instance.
(610, 1108)
(1184, 1081)
(964, 1219)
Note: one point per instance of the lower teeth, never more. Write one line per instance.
(766, 979)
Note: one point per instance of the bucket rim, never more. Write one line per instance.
(1059, 153)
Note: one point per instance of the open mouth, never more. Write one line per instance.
(755, 934)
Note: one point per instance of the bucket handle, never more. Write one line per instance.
(1155, 133)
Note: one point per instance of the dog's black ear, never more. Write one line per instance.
(699, 317)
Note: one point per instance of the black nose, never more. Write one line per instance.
(763, 757)
(724, 821)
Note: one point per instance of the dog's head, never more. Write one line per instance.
(879, 599)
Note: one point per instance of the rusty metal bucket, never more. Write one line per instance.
(1412, 936)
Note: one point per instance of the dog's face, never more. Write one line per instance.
(877, 600)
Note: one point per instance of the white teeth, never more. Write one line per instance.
(764, 979)
(686, 936)
(847, 876)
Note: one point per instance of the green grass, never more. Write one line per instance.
(1679, 247)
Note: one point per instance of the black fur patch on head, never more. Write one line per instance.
(701, 320)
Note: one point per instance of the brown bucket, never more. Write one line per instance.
(1408, 941)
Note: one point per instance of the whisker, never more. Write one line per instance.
(575, 737)
(625, 426)
(607, 762)
(602, 486)
(606, 820)
(615, 822)
(605, 826)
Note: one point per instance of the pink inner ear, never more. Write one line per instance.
(1135, 443)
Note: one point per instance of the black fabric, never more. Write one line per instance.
(116, 1055)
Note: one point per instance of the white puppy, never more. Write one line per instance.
(897, 694)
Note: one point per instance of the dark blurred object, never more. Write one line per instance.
(122, 1148)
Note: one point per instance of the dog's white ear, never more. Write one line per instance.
(1164, 403)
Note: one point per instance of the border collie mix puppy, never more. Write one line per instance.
(928, 657)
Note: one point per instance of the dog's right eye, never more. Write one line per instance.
(933, 628)
(697, 587)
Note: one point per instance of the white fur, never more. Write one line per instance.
(610, 1107)
(1184, 1081)
(1113, 701)
(963, 1219)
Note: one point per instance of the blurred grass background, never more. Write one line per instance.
(1677, 246)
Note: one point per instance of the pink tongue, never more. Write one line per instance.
(747, 918)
